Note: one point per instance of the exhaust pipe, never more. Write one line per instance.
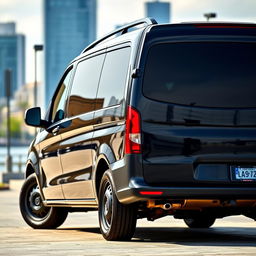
(167, 206)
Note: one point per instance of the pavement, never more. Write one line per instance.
(80, 235)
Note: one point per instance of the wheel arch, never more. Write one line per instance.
(32, 166)
(29, 170)
(102, 166)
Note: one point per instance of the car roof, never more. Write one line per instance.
(154, 29)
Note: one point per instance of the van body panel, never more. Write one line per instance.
(191, 143)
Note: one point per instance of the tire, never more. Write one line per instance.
(34, 212)
(200, 221)
(117, 221)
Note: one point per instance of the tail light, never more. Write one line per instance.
(132, 132)
(151, 193)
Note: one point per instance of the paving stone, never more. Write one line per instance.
(80, 235)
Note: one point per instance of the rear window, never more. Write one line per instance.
(209, 74)
(113, 77)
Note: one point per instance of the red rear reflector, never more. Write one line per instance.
(132, 132)
(151, 193)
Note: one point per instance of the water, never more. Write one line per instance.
(19, 154)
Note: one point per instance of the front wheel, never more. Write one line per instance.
(200, 221)
(117, 221)
(33, 210)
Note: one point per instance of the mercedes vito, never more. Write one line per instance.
(150, 120)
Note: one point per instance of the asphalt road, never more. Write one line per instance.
(80, 235)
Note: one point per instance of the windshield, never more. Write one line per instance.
(209, 74)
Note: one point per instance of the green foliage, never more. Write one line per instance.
(16, 124)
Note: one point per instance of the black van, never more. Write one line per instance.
(150, 120)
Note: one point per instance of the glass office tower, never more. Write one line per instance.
(8, 28)
(70, 25)
(160, 11)
(12, 56)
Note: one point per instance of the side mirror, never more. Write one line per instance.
(33, 118)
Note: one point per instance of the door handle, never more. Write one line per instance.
(56, 130)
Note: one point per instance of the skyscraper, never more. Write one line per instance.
(7, 28)
(159, 11)
(70, 25)
(12, 56)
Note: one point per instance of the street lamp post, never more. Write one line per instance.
(37, 48)
(210, 15)
(8, 92)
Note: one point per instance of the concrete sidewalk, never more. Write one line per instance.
(80, 236)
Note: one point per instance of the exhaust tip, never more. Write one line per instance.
(167, 206)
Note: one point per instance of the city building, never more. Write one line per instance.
(7, 28)
(24, 96)
(70, 25)
(12, 56)
(160, 11)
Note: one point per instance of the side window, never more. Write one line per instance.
(59, 101)
(113, 78)
(85, 84)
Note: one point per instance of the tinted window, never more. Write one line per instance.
(85, 84)
(113, 78)
(212, 74)
(59, 101)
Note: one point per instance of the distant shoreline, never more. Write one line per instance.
(15, 142)
(15, 145)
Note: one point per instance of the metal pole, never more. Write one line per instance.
(37, 47)
(35, 83)
(20, 163)
(8, 74)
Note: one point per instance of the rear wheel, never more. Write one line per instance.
(33, 210)
(117, 221)
(200, 221)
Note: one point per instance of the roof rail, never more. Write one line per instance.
(122, 30)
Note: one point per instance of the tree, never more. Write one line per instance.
(16, 124)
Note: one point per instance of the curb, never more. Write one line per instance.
(4, 187)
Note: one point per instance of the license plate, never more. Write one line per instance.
(243, 173)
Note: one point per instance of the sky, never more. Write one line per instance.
(28, 14)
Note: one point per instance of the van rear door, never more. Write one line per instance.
(199, 114)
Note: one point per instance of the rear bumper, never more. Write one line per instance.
(129, 182)
(132, 193)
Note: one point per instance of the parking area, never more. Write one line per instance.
(80, 235)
